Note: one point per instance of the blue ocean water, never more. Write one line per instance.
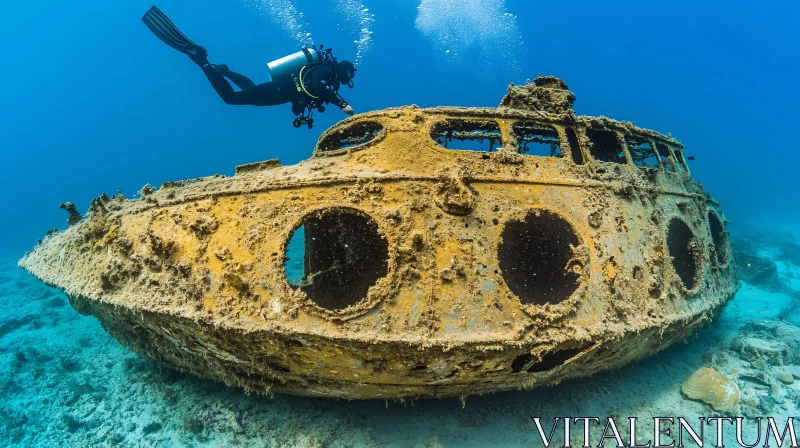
(92, 102)
(295, 265)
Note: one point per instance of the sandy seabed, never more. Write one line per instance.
(64, 382)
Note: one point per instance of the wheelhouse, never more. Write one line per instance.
(582, 141)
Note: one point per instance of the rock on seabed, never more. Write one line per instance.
(713, 388)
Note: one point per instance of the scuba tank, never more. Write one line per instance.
(288, 66)
(291, 68)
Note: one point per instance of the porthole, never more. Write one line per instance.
(685, 253)
(350, 136)
(719, 238)
(335, 256)
(536, 259)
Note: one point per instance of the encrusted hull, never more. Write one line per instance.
(428, 271)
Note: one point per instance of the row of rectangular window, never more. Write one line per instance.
(543, 140)
(530, 138)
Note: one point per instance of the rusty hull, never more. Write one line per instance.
(192, 275)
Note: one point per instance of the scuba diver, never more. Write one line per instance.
(308, 79)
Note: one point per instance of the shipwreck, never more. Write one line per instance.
(418, 253)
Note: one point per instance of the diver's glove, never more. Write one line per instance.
(348, 110)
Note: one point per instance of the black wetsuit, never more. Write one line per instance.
(319, 80)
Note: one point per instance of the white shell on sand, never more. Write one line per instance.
(713, 388)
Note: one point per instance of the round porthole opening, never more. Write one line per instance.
(536, 258)
(335, 256)
(685, 252)
(353, 135)
(718, 237)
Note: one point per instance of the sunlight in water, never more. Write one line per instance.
(473, 33)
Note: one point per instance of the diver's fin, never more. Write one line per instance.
(165, 30)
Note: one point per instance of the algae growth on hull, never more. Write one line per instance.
(65, 382)
(425, 273)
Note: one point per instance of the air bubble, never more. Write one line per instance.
(284, 14)
(358, 21)
(486, 33)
